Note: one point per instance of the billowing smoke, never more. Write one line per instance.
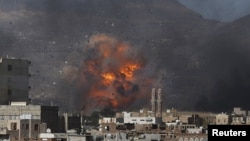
(111, 75)
(197, 68)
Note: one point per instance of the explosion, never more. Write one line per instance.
(111, 74)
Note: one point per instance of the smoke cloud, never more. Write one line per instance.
(111, 75)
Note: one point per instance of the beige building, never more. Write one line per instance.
(22, 121)
(238, 120)
(191, 137)
(222, 119)
(248, 120)
(238, 111)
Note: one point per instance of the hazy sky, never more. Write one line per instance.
(223, 10)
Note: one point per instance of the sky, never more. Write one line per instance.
(222, 10)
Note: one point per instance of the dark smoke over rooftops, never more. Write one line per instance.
(197, 62)
(226, 64)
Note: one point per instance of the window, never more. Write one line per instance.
(13, 126)
(27, 126)
(9, 80)
(9, 91)
(36, 127)
(9, 67)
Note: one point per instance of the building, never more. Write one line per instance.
(49, 115)
(14, 82)
(69, 121)
(222, 119)
(156, 99)
(239, 112)
(238, 120)
(192, 137)
(69, 136)
(238, 116)
(108, 124)
(248, 120)
(138, 120)
(22, 121)
(171, 125)
(196, 120)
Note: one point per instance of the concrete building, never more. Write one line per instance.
(128, 118)
(222, 119)
(49, 115)
(156, 104)
(153, 102)
(14, 82)
(22, 121)
(69, 136)
(238, 116)
(107, 124)
(191, 137)
(156, 99)
(107, 120)
(238, 112)
(69, 121)
(248, 120)
(128, 121)
(238, 120)
(196, 120)
(159, 103)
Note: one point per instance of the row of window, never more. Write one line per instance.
(192, 139)
(15, 117)
(13, 126)
(9, 67)
(148, 120)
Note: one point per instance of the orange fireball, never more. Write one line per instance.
(110, 73)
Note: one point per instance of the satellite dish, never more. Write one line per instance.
(48, 130)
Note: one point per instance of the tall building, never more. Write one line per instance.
(156, 99)
(14, 80)
(159, 103)
(153, 102)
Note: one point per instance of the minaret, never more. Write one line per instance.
(159, 103)
(153, 102)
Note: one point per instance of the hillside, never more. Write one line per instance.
(225, 65)
(174, 43)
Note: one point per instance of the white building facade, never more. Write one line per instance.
(138, 120)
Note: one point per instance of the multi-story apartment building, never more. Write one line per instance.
(14, 80)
